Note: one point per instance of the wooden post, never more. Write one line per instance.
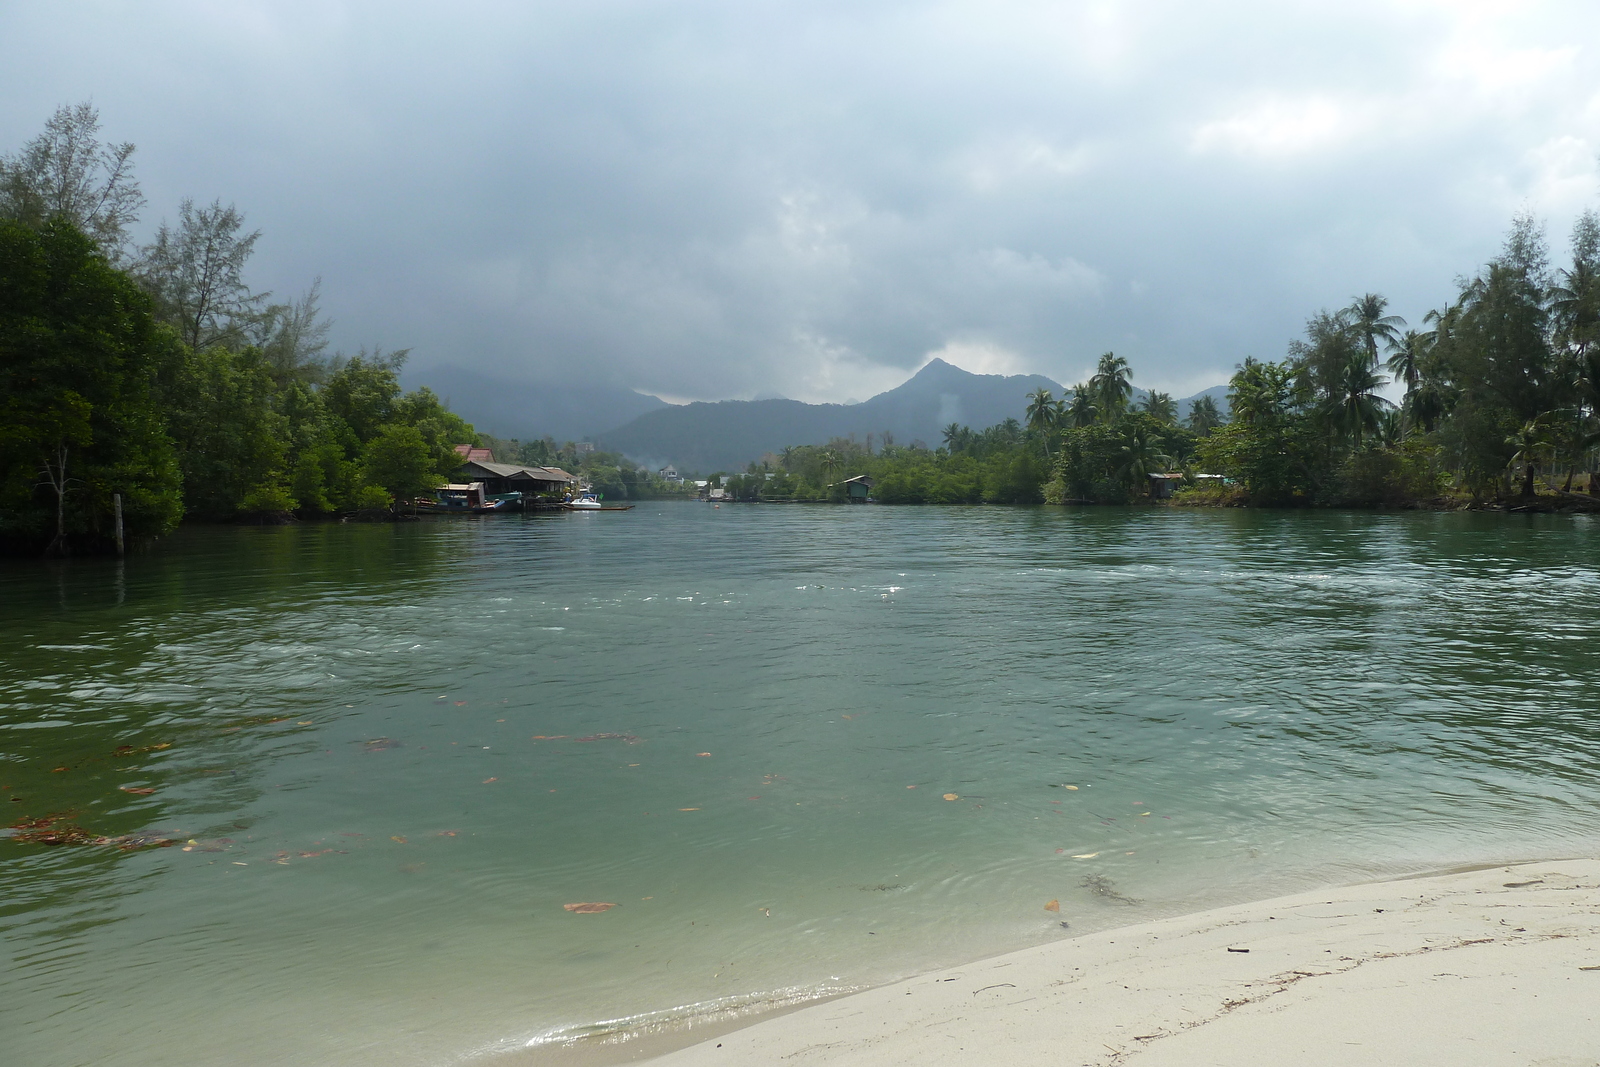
(117, 500)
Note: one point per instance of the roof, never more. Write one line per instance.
(475, 455)
(861, 479)
(516, 472)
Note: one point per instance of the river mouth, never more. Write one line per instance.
(389, 757)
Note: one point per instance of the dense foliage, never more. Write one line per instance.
(1504, 387)
(161, 378)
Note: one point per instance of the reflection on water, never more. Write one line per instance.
(388, 756)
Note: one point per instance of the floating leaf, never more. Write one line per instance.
(1071, 787)
(589, 908)
(486, 781)
(702, 753)
(688, 809)
(952, 796)
(1086, 856)
(1054, 905)
(394, 837)
(139, 790)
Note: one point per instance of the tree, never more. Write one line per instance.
(1532, 445)
(401, 461)
(1353, 407)
(1366, 319)
(1159, 406)
(194, 271)
(1082, 410)
(1406, 361)
(1139, 456)
(67, 173)
(293, 338)
(1203, 416)
(1110, 385)
(80, 418)
(1044, 415)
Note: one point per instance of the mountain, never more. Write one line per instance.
(530, 409)
(729, 434)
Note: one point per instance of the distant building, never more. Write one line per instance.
(1162, 485)
(473, 454)
(584, 446)
(499, 478)
(670, 473)
(857, 490)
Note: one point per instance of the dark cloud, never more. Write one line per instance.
(713, 200)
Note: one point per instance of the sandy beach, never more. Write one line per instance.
(1493, 966)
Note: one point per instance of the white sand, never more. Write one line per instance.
(1459, 969)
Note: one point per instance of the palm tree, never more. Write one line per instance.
(1406, 362)
(1366, 319)
(1110, 385)
(1204, 416)
(1044, 415)
(1160, 406)
(1082, 410)
(1354, 406)
(952, 436)
(1532, 444)
(1140, 456)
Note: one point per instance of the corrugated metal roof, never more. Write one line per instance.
(515, 472)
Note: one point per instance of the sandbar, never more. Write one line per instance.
(1496, 966)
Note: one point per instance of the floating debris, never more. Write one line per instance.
(1103, 887)
(589, 908)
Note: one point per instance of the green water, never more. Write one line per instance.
(1249, 702)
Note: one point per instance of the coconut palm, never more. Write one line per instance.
(1140, 456)
(1406, 361)
(1160, 406)
(1081, 409)
(1354, 406)
(1204, 416)
(1532, 444)
(1366, 319)
(1111, 386)
(1044, 415)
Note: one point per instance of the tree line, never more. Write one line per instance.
(156, 375)
(1500, 387)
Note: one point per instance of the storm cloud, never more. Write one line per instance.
(810, 199)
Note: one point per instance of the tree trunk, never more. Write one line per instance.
(55, 474)
(1527, 480)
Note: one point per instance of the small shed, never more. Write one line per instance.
(1162, 485)
(857, 490)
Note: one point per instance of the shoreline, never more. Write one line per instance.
(1342, 975)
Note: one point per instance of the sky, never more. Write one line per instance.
(812, 199)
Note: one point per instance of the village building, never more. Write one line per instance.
(857, 490)
(501, 478)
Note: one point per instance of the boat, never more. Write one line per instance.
(589, 502)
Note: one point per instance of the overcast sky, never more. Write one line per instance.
(714, 200)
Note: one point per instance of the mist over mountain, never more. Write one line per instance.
(528, 408)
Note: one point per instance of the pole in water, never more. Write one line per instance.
(117, 500)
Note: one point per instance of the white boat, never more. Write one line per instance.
(589, 502)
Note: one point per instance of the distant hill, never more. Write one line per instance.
(530, 409)
(728, 434)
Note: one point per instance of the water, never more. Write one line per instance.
(389, 747)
